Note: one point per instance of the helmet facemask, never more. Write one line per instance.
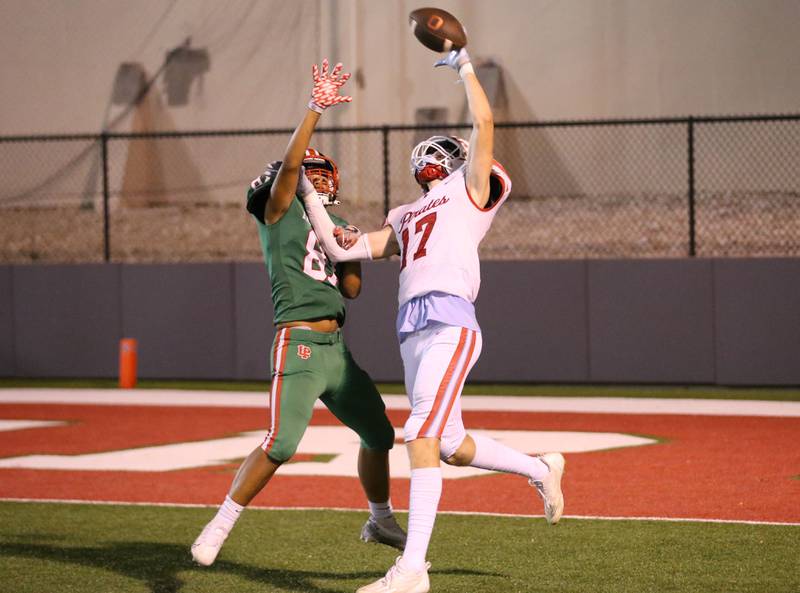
(318, 165)
(437, 157)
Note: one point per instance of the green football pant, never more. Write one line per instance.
(308, 365)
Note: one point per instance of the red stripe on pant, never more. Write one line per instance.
(423, 432)
(459, 384)
(278, 363)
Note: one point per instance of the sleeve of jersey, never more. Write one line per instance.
(257, 200)
(500, 185)
(323, 228)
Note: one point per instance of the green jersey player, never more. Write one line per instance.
(309, 359)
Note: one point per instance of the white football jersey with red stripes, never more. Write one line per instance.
(439, 236)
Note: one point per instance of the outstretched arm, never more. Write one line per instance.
(481, 141)
(324, 94)
(375, 245)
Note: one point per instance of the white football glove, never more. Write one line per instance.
(326, 87)
(456, 59)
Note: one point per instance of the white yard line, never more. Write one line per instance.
(440, 512)
(500, 403)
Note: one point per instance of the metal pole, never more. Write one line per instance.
(106, 234)
(692, 250)
(386, 184)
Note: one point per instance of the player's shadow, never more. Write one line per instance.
(158, 566)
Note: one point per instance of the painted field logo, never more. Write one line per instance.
(303, 351)
(337, 445)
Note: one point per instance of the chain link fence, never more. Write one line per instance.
(711, 187)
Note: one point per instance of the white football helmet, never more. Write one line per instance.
(437, 157)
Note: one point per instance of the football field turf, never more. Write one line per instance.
(131, 549)
(721, 477)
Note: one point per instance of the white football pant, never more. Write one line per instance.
(436, 361)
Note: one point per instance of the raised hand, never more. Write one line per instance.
(455, 59)
(326, 87)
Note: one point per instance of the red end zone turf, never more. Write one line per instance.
(709, 467)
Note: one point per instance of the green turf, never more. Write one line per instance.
(130, 549)
(648, 391)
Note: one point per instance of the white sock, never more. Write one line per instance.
(491, 455)
(229, 512)
(380, 510)
(426, 489)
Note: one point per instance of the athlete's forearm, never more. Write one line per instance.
(477, 101)
(481, 142)
(295, 151)
(301, 138)
(383, 243)
(324, 94)
(323, 228)
(284, 187)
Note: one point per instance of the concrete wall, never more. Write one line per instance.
(598, 59)
(7, 355)
(691, 321)
(67, 320)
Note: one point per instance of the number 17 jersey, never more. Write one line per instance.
(439, 235)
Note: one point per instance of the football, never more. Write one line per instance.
(437, 29)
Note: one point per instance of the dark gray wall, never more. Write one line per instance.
(67, 320)
(734, 322)
(370, 325)
(534, 322)
(7, 365)
(253, 322)
(651, 321)
(757, 319)
(182, 317)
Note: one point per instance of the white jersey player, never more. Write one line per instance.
(437, 238)
(439, 234)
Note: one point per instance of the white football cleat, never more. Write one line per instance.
(549, 487)
(208, 544)
(400, 580)
(384, 531)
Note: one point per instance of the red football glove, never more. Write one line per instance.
(347, 236)
(326, 87)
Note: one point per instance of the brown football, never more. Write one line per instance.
(437, 29)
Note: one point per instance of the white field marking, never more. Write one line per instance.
(338, 441)
(257, 507)
(7, 425)
(497, 403)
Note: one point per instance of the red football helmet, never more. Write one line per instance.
(317, 163)
(437, 157)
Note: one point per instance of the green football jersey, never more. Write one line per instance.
(304, 282)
